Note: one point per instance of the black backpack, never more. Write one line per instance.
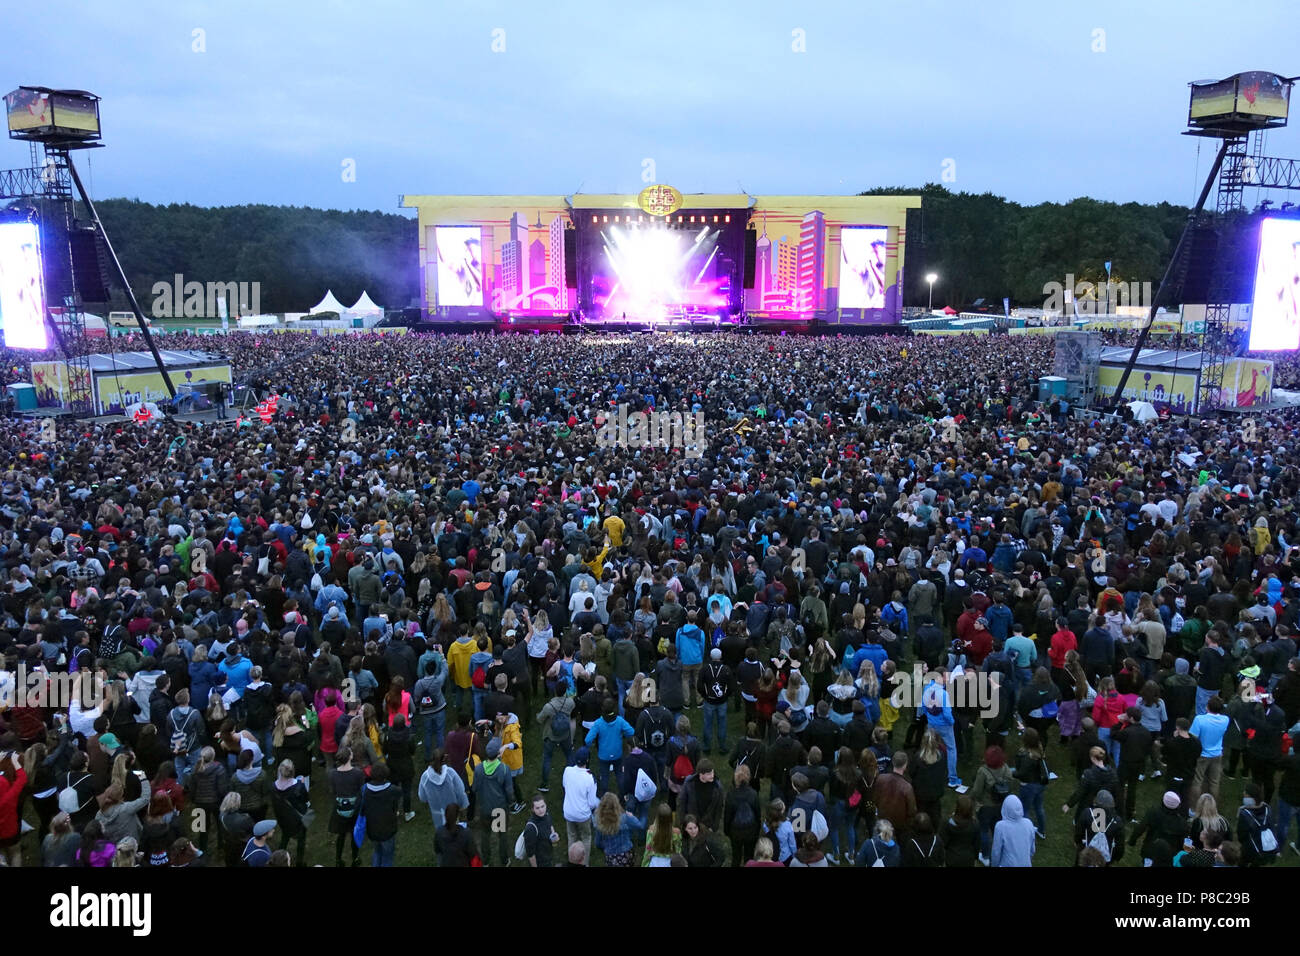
(743, 821)
(657, 733)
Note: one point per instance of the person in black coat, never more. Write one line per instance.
(453, 843)
(379, 803)
(1269, 722)
(292, 805)
(921, 846)
(398, 750)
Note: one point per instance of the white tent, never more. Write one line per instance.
(328, 304)
(365, 306)
(1143, 411)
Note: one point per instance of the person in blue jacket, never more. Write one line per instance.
(608, 734)
(690, 651)
(937, 704)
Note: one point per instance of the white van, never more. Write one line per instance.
(124, 319)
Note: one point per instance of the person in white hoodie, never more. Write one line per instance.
(580, 799)
(440, 787)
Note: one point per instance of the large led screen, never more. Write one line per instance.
(1275, 311)
(460, 265)
(22, 301)
(862, 267)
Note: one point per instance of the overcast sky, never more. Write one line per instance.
(235, 101)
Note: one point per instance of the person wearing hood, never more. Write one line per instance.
(493, 791)
(440, 787)
(237, 669)
(251, 784)
(1014, 840)
(1101, 828)
(512, 753)
(379, 805)
(141, 686)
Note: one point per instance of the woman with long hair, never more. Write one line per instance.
(1207, 817)
(291, 741)
(993, 784)
(208, 785)
(359, 745)
(662, 840)
(634, 703)
(292, 803)
(537, 641)
(1105, 714)
(1032, 772)
(868, 690)
(701, 846)
(397, 701)
(1076, 695)
(929, 774)
(236, 827)
(614, 830)
(60, 846)
(847, 790)
(841, 695)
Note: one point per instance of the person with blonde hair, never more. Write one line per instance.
(126, 853)
(614, 830)
(762, 854)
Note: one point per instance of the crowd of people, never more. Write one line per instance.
(426, 614)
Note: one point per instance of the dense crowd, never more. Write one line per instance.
(425, 604)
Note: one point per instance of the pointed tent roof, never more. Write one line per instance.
(328, 304)
(365, 306)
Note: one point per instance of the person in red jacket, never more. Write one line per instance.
(10, 825)
(1063, 641)
(980, 642)
(1105, 713)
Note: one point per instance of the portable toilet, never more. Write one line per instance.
(23, 395)
(1050, 386)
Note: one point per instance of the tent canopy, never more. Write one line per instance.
(328, 304)
(1143, 411)
(365, 306)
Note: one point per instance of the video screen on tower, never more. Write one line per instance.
(460, 265)
(1275, 308)
(22, 299)
(862, 267)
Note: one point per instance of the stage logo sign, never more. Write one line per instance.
(659, 200)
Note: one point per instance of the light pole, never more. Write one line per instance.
(930, 278)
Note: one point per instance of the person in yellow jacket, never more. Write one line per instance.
(458, 656)
(512, 752)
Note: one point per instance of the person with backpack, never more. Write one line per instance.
(539, 835)
(994, 782)
(556, 720)
(1032, 772)
(937, 706)
(715, 686)
(1101, 828)
(184, 728)
(654, 727)
(670, 681)
(683, 757)
(741, 816)
(430, 704)
(480, 662)
(1256, 828)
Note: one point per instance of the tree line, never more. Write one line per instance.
(986, 246)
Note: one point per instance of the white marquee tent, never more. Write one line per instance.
(329, 304)
(365, 306)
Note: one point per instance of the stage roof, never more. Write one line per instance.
(143, 361)
(1158, 358)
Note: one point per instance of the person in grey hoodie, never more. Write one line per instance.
(430, 705)
(495, 789)
(121, 819)
(1013, 837)
(440, 787)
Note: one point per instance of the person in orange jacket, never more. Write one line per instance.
(512, 752)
